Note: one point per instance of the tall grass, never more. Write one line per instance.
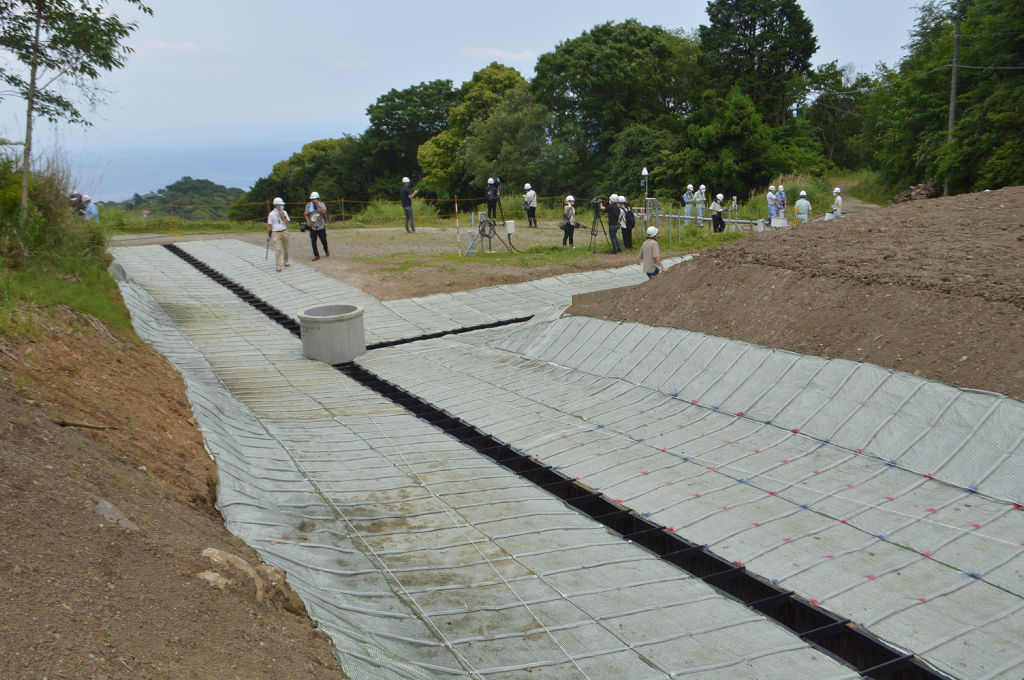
(55, 257)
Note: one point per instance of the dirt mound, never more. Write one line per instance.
(102, 531)
(934, 288)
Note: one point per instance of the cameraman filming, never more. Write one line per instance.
(614, 213)
(493, 196)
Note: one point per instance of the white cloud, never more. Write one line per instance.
(499, 54)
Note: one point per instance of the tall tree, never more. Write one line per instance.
(760, 46)
(610, 77)
(60, 44)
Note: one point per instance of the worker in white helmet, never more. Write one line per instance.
(698, 204)
(687, 201)
(316, 223)
(837, 202)
(277, 232)
(493, 196)
(530, 205)
(569, 221)
(628, 221)
(803, 209)
(614, 222)
(780, 200)
(773, 203)
(407, 196)
(650, 254)
(717, 222)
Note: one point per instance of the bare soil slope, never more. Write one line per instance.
(934, 288)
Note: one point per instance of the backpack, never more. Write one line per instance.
(630, 219)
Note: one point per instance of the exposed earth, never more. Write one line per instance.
(106, 491)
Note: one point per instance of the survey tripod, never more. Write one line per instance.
(487, 230)
(595, 223)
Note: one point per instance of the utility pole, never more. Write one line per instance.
(952, 96)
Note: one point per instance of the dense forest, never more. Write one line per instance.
(731, 105)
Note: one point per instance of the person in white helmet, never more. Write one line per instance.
(614, 222)
(277, 232)
(91, 211)
(650, 254)
(410, 223)
(717, 223)
(803, 209)
(530, 205)
(773, 202)
(687, 201)
(569, 223)
(493, 196)
(837, 202)
(316, 223)
(698, 204)
(628, 222)
(780, 201)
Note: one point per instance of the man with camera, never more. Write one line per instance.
(614, 213)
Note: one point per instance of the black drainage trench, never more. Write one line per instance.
(820, 628)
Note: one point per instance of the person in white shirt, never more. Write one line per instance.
(773, 202)
(687, 199)
(803, 209)
(717, 223)
(698, 202)
(837, 204)
(277, 232)
(530, 205)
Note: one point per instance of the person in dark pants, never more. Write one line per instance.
(614, 215)
(628, 222)
(716, 214)
(316, 223)
(569, 221)
(493, 196)
(530, 204)
(410, 224)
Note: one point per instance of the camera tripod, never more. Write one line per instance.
(486, 231)
(598, 221)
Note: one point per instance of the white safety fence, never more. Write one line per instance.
(418, 557)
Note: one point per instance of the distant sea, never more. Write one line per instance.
(117, 174)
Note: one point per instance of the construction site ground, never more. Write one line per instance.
(106, 491)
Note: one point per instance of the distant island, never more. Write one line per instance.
(188, 198)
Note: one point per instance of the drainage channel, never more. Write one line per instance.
(834, 635)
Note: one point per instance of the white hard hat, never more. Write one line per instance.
(527, 186)
(652, 232)
(720, 197)
(314, 195)
(782, 188)
(278, 201)
(570, 199)
(803, 193)
(622, 199)
(406, 180)
(771, 188)
(85, 198)
(490, 180)
(702, 187)
(614, 198)
(836, 190)
(690, 187)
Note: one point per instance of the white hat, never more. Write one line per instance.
(836, 190)
(720, 197)
(570, 199)
(782, 188)
(803, 193)
(622, 199)
(690, 187)
(771, 188)
(614, 198)
(405, 180)
(85, 198)
(278, 201)
(652, 232)
(490, 180)
(702, 187)
(527, 186)
(314, 195)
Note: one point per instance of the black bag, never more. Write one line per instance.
(630, 219)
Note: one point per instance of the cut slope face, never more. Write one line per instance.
(934, 288)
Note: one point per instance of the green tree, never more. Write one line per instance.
(400, 121)
(635, 148)
(727, 146)
(833, 112)
(60, 45)
(761, 46)
(610, 77)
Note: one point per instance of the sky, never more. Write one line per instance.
(223, 89)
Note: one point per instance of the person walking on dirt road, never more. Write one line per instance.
(410, 224)
(650, 254)
(316, 223)
(277, 232)
(803, 209)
